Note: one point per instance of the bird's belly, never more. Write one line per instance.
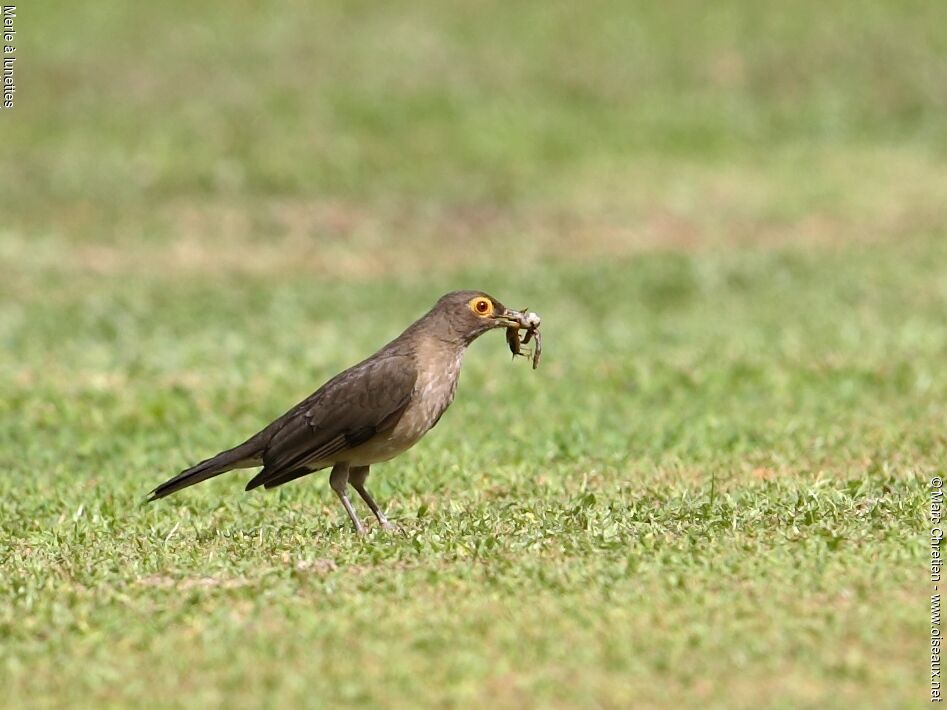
(378, 450)
(406, 433)
(426, 408)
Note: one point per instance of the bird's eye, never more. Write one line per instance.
(481, 306)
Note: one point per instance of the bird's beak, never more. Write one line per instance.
(509, 318)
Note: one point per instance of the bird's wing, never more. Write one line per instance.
(347, 411)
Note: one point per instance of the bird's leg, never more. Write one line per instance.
(338, 479)
(357, 477)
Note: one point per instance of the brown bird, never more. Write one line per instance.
(367, 414)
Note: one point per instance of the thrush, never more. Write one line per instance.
(367, 414)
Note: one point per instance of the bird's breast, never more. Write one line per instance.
(433, 392)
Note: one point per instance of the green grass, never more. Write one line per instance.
(712, 491)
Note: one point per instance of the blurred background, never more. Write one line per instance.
(732, 218)
(354, 139)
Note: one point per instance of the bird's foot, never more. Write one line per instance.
(386, 524)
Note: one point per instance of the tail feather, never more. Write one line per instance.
(243, 456)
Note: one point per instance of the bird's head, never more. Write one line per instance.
(463, 316)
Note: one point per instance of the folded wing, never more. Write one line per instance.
(347, 411)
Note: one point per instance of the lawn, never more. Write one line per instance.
(712, 491)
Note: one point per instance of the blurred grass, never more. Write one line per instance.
(136, 118)
(732, 219)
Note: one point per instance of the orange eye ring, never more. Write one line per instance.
(481, 306)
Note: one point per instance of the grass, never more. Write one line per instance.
(711, 492)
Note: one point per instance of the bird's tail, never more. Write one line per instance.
(243, 456)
